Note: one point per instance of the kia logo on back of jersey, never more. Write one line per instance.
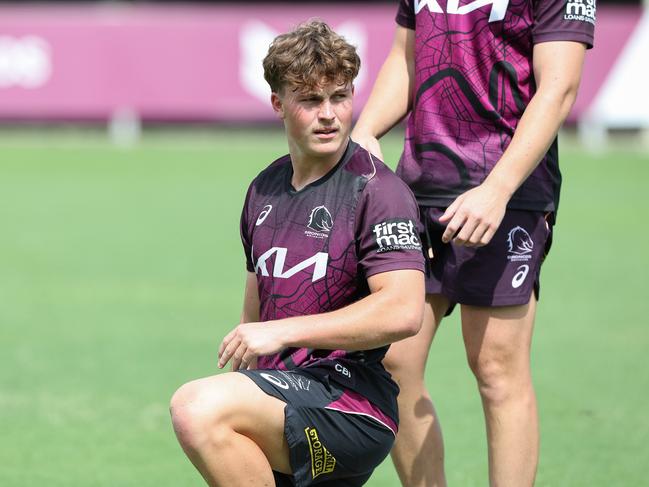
(396, 234)
(318, 261)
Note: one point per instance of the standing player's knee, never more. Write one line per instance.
(496, 381)
(198, 415)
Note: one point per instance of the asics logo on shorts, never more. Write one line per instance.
(520, 276)
(322, 461)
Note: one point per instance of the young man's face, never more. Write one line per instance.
(318, 121)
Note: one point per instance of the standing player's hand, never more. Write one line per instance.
(247, 342)
(369, 143)
(474, 216)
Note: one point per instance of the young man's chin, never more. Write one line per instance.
(328, 149)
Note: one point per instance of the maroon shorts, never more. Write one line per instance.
(502, 273)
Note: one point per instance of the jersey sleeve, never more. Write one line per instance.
(244, 229)
(406, 14)
(387, 227)
(564, 20)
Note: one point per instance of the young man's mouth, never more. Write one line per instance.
(326, 132)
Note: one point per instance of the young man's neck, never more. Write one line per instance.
(307, 169)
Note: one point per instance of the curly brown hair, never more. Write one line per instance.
(309, 56)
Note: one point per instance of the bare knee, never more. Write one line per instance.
(500, 378)
(199, 415)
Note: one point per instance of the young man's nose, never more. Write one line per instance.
(326, 110)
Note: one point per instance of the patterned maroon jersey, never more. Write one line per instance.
(473, 80)
(313, 250)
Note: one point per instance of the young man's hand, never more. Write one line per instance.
(368, 142)
(474, 216)
(247, 342)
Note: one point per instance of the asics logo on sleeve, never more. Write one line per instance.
(498, 7)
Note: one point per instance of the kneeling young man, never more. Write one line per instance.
(335, 274)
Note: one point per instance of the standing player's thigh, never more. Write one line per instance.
(499, 337)
(236, 401)
(407, 358)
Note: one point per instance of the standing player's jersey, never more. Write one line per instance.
(314, 249)
(473, 80)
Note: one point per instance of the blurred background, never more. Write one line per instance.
(129, 132)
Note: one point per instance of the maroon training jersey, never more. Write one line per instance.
(313, 250)
(473, 80)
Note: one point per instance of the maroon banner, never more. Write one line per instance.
(164, 63)
(202, 63)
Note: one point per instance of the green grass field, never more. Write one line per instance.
(121, 270)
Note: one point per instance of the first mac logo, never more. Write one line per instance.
(396, 234)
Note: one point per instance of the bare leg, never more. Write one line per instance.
(498, 342)
(231, 431)
(418, 453)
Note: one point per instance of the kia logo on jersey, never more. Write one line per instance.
(318, 261)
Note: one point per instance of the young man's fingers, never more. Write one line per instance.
(252, 365)
(229, 351)
(451, 210)
(453, 227)
(374, 147)
(488, 235)
(476, 236)
(226, 340)
(244, 360)
(238, 357)
(466, 232)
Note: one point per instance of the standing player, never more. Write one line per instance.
(487, 85)
(335, 273)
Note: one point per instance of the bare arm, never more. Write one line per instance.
(250, 311)
(476, 215)
(391, 96)
(391, 312)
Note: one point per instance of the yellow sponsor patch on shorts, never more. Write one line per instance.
(322, 461)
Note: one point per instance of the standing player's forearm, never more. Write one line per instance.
(390, 98)
(535, 133)
(558, 74)
(388, 102)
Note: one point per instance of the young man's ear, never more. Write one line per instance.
(278, 107)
